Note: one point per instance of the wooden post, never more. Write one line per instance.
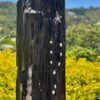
(40, 50)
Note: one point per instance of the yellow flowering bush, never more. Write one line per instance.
(82, 79)
(7, 75)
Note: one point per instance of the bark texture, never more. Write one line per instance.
(40, 50)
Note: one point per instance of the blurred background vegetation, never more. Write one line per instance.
(7, 25)
(82, 30)
(82, 52)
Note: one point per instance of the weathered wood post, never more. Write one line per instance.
(40, 50)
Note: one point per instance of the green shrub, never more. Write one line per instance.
(79, 52)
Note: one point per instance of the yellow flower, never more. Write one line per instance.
(7, 75)
(82, 79)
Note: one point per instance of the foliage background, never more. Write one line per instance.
(82, 53)
(7, 25)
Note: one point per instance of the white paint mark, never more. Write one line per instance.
(61, 54)
(51, 41)
(54, 72)
(55, 86)
(51, 62)
(59, 64)
(60, 44)
(53, 92)
(51, 52)
(39, 84)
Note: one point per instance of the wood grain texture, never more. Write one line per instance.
(40, 50)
